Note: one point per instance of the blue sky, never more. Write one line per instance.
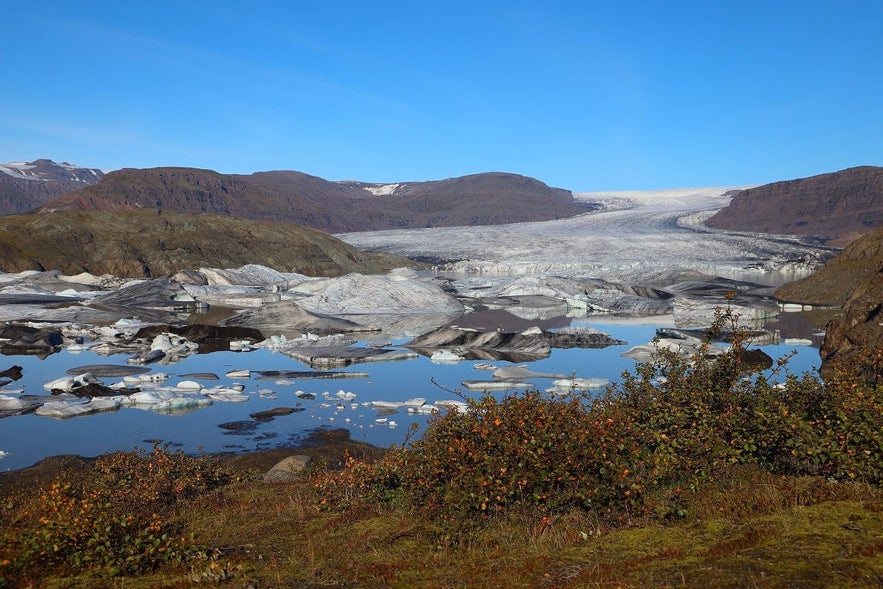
(585, 95)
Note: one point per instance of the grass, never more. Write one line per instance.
(749, 529)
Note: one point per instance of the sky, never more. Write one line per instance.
(586, 95)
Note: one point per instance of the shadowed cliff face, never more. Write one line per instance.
(839, 206)
(294, 197)
(153, 243)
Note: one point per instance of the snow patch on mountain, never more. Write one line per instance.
(383, 189)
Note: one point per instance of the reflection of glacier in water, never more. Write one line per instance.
(28, 438)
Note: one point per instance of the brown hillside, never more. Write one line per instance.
(837, 206)
(153, 243)
(294, 197)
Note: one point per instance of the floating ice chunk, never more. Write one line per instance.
(239, 374)
(189, 385)
(580, 384)
(68, 383)
(345, 395)
(445, 357)
(461, 406)
(797, 341)
(64, 410)
(225, 394)
(138, 379)
(178, 403)
(240, 345)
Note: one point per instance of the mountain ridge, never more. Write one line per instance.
(838, 206)
(480, 199)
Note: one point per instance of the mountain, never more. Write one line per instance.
(145, 243)
(295, 197)
(838, 206)
(26, 185)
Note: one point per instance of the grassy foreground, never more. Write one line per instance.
(687, 474)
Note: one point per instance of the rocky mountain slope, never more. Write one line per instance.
(26, 185)
(853, 280)
(294, 197)
(839, 206)
(151, 243)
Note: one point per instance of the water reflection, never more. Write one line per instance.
(289, 406)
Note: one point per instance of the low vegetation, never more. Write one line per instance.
(689, 472)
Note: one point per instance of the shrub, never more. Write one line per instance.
(117, 520)
(638, 449)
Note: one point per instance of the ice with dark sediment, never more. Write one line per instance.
(649, 237)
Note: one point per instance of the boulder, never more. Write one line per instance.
(287, 469)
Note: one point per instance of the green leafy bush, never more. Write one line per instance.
(117, 520)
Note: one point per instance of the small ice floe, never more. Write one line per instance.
(77, 348)
(225, 394)
(189, 385)
(181, 403)
(797, 341)
(65, 409)
(445, 357)
(485, 366)
(69, 383)
(141, 379)
(241, 345)
(14, 406)
(164, 400)
(392, 423)
(345, 395)
(381, 420)
(267, 393)
(460, 406)
(426, 409)
(238, 374)
(386, 404)
(496, 385)
(562, 386)
(3, 454)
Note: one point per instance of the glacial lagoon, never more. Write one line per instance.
(229, 427)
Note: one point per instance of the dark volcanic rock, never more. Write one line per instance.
(13, 373)
(270, 414)
(211, 338)
(94, 389)
(42, 342)
(839, 206)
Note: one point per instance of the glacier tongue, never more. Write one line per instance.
(641, 237)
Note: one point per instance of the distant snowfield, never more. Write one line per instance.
(636, 236)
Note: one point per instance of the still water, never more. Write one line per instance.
(28, 438)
